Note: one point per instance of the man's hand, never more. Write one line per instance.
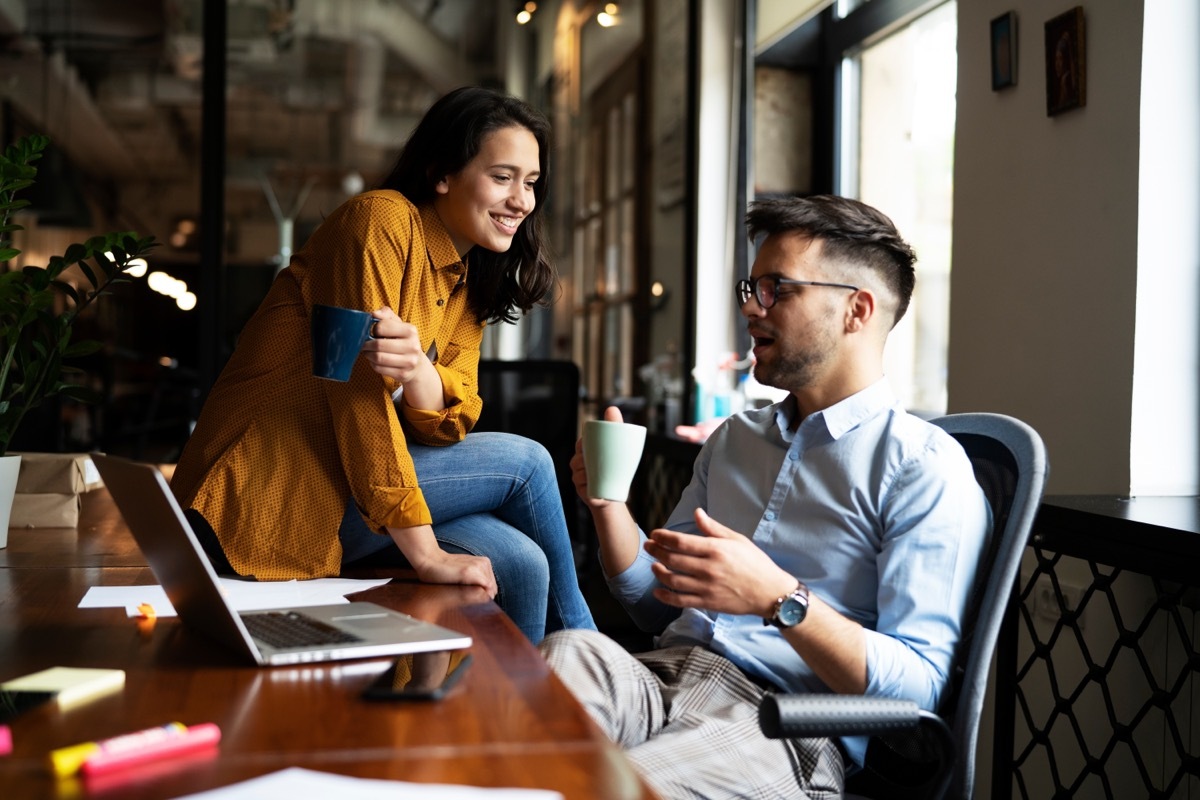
(579, 474)
(721, 571)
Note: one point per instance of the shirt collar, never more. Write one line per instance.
(442, 252)
(844, 415)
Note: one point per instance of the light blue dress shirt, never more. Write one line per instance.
(876, 510)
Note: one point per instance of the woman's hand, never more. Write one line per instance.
(435, 565)
(396, 353)
(395, 349)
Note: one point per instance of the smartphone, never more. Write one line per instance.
(14, 703)
(420, 676)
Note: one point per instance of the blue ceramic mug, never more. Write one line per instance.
(338, 335)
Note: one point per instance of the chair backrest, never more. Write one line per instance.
(1011, 465)
(537, 399)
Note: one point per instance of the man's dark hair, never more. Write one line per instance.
(445, 140)
(849, 230)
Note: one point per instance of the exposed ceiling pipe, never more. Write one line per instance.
(397, 27)
(47, 90)
(365, 76)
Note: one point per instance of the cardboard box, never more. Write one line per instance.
(44, 510)
(49, 488)
(57, 473)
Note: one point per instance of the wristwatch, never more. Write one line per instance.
(790, 609)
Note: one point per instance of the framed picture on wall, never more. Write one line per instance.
(1066, 65)
(1004, 51)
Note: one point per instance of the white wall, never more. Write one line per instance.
(1046, 242)
(1165, 359)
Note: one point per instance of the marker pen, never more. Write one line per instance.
(128, 754)
(5, 740)
(130, 747)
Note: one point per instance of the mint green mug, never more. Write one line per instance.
(611, 453)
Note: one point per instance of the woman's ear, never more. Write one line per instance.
(442, 186)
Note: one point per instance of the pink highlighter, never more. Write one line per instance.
(124, 752)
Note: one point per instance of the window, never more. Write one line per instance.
(897, 154)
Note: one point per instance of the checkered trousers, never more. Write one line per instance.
(688, 720)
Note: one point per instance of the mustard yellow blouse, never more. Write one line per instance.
(277, 453)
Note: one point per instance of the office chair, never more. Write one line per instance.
(915, 753)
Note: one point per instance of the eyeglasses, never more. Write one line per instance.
(765, 288)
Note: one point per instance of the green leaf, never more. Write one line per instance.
(87, 271)
(75, 253)
(84, 394)
(84, 348)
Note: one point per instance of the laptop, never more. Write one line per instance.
(272, 636)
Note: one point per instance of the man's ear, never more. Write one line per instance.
(860, 310)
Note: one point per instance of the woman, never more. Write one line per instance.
(298, 476)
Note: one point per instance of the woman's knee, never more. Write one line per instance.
(516, 559)
(521, 565)
(521, 451)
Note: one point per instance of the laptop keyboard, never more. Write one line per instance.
(290, 629)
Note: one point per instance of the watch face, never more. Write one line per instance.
(791, 612)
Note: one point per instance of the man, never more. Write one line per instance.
(826, 543)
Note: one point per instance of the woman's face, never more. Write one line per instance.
(487, 200)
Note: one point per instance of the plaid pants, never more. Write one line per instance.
(688, 721)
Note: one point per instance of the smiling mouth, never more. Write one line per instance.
(508, 223)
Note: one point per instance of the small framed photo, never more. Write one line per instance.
(1004, 51)
(1066, 63)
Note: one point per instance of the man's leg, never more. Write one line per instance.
(688, 720)
(622, 696)
(711, 745)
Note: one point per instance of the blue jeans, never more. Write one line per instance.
(495, 495)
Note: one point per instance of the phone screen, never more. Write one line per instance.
(420, 676)
(13, 703)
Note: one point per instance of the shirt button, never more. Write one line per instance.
(769, 516)
(793, 456)
(440, 301)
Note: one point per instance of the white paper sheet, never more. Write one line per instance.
(242, 595)
(295, 783)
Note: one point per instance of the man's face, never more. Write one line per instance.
(795, 340)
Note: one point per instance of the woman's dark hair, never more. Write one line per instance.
(850, 231)
(445, 140)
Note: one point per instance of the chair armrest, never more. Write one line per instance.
(912, 751)
(789, 716)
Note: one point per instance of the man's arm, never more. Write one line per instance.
(723, 571)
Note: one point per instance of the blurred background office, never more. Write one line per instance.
(228, 130)
(1059, 273)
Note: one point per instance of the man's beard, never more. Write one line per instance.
(793, 372)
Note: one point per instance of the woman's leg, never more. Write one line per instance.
(522, 574)
(521, 570)
(510, 480)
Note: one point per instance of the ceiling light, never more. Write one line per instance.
(186, 301)
(609, 16)
(526, 12)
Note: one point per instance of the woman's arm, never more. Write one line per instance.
(435, 565)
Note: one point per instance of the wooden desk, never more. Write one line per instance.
(511, 722)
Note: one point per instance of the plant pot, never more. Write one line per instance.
(10, 468)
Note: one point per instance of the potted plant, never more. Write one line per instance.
(38, 310)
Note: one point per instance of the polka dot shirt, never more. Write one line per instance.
(276, 453)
